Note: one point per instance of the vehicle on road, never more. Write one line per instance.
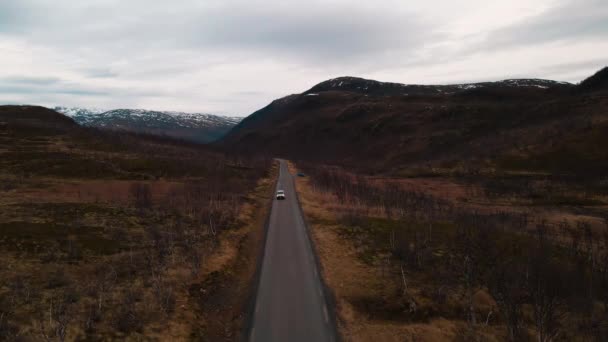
(280, 195)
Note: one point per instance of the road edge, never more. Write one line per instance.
(252, 296)
(328, 294)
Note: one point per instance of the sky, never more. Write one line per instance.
(232, 57)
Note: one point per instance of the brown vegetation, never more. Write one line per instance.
(408, 265)
(118, 236)
(437, 130)
(468, 213)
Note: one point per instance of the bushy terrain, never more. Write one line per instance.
(112, 236)
(408, 264)
(513, 125)
(457, 212)
(462, 212)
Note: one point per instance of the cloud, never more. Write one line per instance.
(53, 85)
(21, 80)
(12, 16)
(330, 33)
(569, 20)
(315, 30)
(100, 73)
(234, 56)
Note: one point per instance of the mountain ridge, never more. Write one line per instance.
(197, 127)
(369, 86)
(389, 127)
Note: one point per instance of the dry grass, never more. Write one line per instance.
(399, 275)
(562, 202)
(351, 279)
(106, 236)
(97, 215)
(235, 256)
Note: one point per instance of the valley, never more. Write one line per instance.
(435, 213)
(304, 171)
(115, 235)
(448, 213)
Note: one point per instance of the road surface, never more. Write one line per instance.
(290, 302)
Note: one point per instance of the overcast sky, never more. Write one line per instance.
(234, 56)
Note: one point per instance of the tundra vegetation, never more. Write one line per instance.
(434, 267)
(107, 235)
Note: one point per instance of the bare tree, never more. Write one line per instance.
(7, 309)
(164, 294)
(127, 318)
(141, 194)
(506, 284)
(544, 287)
(54, 324)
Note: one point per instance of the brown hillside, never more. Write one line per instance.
(119, 236)
(544, 125)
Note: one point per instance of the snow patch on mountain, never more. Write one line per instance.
(365, 86)
(89, 115)
(203, 127)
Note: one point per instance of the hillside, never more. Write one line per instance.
(597, 82)
(538, 125)
(202, 128)
(449, 213)
(110, 235)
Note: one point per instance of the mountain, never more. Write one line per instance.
(599, 81)
(202, 128)
(376, 88)
(540, 125)
(35, 119)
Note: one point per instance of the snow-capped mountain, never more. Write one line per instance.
(196, 127)
(372, 87)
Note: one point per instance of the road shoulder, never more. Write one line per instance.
(231, 273)
(349, 279)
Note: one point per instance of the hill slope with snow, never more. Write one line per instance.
(196, 127)
(381, 126)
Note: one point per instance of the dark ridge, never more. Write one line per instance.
(35, 115)
(501, 124)
(365, 86)
(598, 81)
(35, 120)
(376, 88)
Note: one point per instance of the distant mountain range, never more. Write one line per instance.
(376, 88)
(195, 127)
(389, 127)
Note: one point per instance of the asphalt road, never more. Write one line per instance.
(290, 303)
